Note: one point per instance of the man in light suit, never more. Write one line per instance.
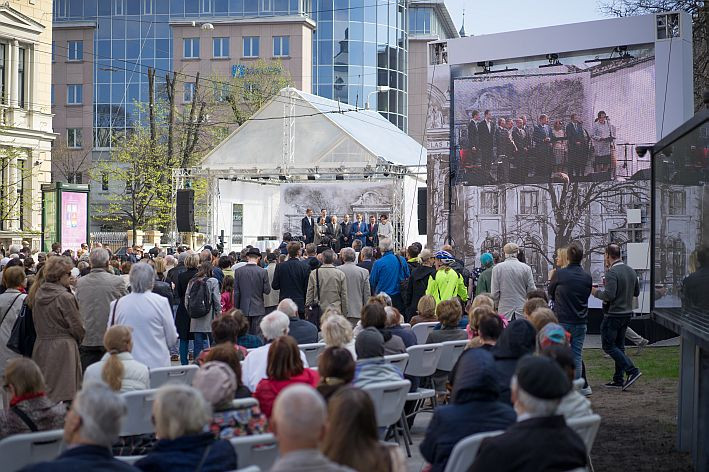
(307, 226)
(250, 285)
(357, 279)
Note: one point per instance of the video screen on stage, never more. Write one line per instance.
(580, 121)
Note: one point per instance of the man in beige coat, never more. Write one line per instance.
(333, 286)
(357, 284)
(94, 293)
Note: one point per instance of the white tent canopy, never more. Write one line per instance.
(297, 130)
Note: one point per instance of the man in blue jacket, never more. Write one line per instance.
(387, 274)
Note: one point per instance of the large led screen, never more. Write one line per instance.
(74, 219)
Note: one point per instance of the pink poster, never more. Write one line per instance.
(74, 220)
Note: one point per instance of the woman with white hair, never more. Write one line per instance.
(150, 316)
(180, 414)
(337, 332)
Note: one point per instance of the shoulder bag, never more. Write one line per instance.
(8, 309)
(313, 312)
(23, 335)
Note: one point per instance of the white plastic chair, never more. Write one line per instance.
(399, 360)
(20, 450)
(243, 403)
(129, 459)
(421, 330)
(312, 351)
(259, 450)
(465, 450)
(178, 374)
(140, 411)
(450, 352)
(405, 325)
(587, 428)
(389, 399)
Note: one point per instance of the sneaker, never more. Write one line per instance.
(607, 356)
(642, 345)
(586, 392)
(631, 379)
(614, 384)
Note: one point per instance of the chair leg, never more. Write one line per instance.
(406, 441)
(407, 431)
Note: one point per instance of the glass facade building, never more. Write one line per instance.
(357, 46)
(133, 35)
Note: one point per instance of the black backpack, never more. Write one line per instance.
(198, 300)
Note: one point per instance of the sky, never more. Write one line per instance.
(495, 16)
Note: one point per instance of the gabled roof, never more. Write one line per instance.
(18, 24)
(323, 133)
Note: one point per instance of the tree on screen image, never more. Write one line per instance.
(557, 98)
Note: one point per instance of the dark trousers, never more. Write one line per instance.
(613, 343)
(90, 355)
(254, 322)
(398, 303)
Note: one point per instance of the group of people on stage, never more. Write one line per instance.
(326, 230)
(520, 150)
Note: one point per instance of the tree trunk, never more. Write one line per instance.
(151, 106)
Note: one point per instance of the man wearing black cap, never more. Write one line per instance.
(540, 440)
(250, 285)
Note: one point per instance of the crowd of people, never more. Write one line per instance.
(242, 316)
(523, 152)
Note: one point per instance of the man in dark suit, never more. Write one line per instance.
(540, 440)
(473, 150)
(486, 138)
(250, 285)
(311, 260)
(307, 226)
(291, 277)
(334, 230)
(373, 232)
(520, 138)
(578, 147)
(346, 232)
(366, 256)
(542, 148)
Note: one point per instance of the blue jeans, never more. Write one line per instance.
(184, 351)
(201, 340)
(578, 335)
(613, 343)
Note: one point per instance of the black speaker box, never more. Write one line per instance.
(185, 210)
(423, 210)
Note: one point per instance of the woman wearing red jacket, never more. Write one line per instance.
(284, 368)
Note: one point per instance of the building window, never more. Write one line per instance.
(281, 46)
(191, 48)
(59, 8)
(147, 7)
(221, 91)
(251, 46)
(104, 181)
(528, 202)
(75, 50)
(21, 76)
(677, 203)
(237, 223)
(74, 178)
(489, 203)
(2, 73)
(188, 95)
(205, 6)
(118, 7)
(220, 47)
(74, 138)
(74, 94)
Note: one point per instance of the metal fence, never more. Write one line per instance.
(110, 239)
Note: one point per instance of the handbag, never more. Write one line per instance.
(313, 312)
(23, 335)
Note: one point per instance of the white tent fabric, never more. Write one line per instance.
(323, 133)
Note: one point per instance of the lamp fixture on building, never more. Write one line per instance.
(380, 88)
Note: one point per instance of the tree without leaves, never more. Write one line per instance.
(258, 84)
(10, 184)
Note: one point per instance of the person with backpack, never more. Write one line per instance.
(203, 303)
(446, 283)
(182, 318)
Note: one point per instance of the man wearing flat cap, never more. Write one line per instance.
(540, 440)
(250, 285)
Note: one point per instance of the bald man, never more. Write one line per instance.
(298, 421)
(511, 280)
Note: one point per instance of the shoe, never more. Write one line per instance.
(607, 356)
(614, 384)
(642, 345)
(586, 392)
(631, 379)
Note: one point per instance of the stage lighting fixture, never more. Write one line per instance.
(622, 52)
(339, 177)
(489, 71)
(282, 177)
(553, 59)
(311, 177)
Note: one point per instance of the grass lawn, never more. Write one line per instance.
(654, 363)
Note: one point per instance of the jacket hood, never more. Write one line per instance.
(49, 292)
(518, 339)
(476, 378)
(423, 273)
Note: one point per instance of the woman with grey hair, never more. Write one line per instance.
(180, 413)
(150, 316)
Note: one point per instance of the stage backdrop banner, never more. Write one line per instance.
(368, 198)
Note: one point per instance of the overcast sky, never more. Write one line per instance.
(494, 16)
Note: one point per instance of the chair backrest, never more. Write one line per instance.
(405, 325)
(140, 411)
(587, 428)
(388, 399)
(259, 450)
(178, 374)
(20, 450)
(129, 459)
(399, 360)
(465, 450)
(312, 351)
(423, 359)
(421, 330)
(243, 403)
(450, 352)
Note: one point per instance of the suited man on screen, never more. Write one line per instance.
(486, 139)
(578, 147)
(307, 226)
